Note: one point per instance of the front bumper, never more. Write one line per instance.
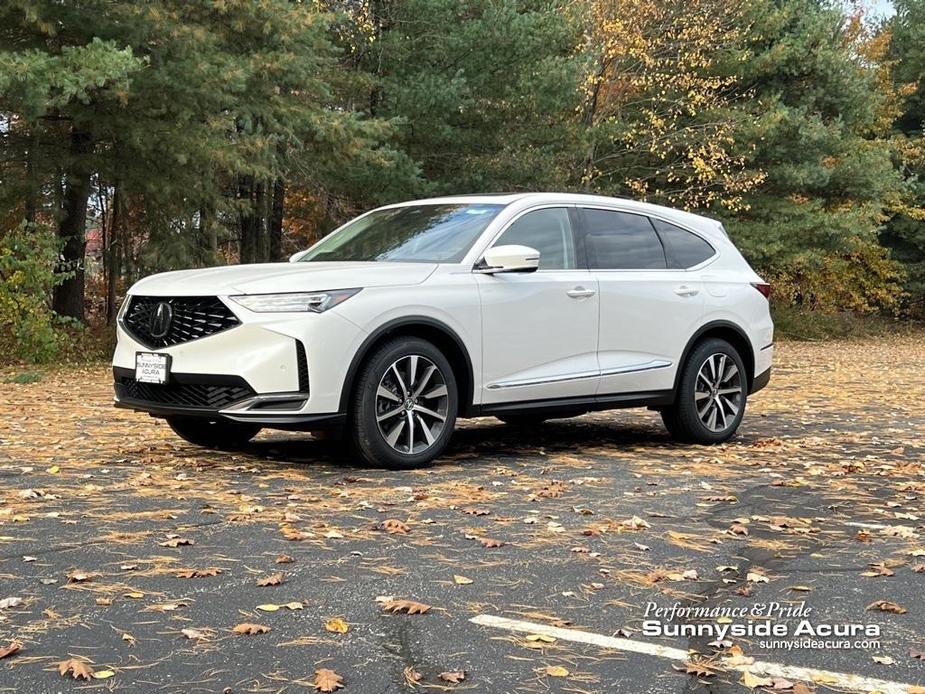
(279, 370)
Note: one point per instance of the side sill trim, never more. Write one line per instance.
(571, 406)
(633, 368)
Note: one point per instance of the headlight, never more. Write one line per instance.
(317, 302)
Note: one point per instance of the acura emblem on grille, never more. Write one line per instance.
(160, 320)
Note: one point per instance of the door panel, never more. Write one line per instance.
(539, 329)
(647, 310)
(645, 326)
(538, 342)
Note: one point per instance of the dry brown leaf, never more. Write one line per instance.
(801, 688)
(412, 676)
(284, 559)
(327, 680)
(473, 511)
(394, 527)
(194, 634)
(250, 629)
(273, 580)
(887, 606)
(409, 606)
(914, 653)
(77, 576)
(198, 573)
(490, 542)
(77, 668)
(453, 677)
(14, 648)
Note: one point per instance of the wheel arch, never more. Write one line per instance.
(724, 330)
(441, 335)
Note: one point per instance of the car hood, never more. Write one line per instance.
(269, 278)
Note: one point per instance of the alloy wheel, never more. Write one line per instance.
(412, 401)
(718, 392)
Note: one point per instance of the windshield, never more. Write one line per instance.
(415, 234)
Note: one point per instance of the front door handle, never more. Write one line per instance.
(580, 293)
(684, 290)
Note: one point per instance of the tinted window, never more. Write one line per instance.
(622, 241)
(684, 248)
(418, 233)
(549, 232)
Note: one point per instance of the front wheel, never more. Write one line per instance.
(404, 405)
(711, 395)
(213, 433)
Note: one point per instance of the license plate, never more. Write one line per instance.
(151, 367)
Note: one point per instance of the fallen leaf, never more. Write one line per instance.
(883, 659)
(273, 580)
(490, 543)
(13, 649)
(634, 523)
(77, 668)
(394, 527)
(268, 607)
(250, 629)
(461, 580)
(452, 677)
(176, 542)
(284, 559)
(79, 576)
(198, 573)
(412, 676)
(409, 606)
(916, 654)
(753, 681)
(887, 606)
(10, 602)
(194, 634)
(337, 625)
(540, 637)
(103, 674)
(134, 595)
(473, 511)
(327, 680)
(556, 671)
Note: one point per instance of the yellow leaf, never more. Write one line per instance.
(54, 470)
(541, 637)
(461, 580)
(103, 674)
(556, 671)
(337, 625)
(752, 682)
(269, 607)
(134, 595)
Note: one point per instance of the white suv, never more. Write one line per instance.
(524, 306)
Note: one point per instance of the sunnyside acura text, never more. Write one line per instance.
(522, 306)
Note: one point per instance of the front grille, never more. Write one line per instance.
(212, 396)
(192, 317)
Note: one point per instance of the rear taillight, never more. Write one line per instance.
(764, 288)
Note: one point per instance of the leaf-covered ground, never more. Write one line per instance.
(157, 566)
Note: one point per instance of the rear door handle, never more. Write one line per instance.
(580, 293)
(684, 290)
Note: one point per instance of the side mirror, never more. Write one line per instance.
(508, 259)
(296, 257)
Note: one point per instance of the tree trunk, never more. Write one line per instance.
(32, 192)
(114, 254)
(69, 297)
(247, 228)
(276, 220)
(260, 221)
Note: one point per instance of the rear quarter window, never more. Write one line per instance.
(683, 248)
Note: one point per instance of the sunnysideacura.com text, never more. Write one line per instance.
(772, 625)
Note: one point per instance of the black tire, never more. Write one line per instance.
(369, 440)
(220, 434)
(716, 421)
(523, 420)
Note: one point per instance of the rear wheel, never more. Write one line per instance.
(711, 395)
(404, 405)
(213, 433)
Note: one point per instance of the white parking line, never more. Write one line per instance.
(847, 681)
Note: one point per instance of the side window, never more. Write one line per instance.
(622, 241)
(548, 231)
(684, 248)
